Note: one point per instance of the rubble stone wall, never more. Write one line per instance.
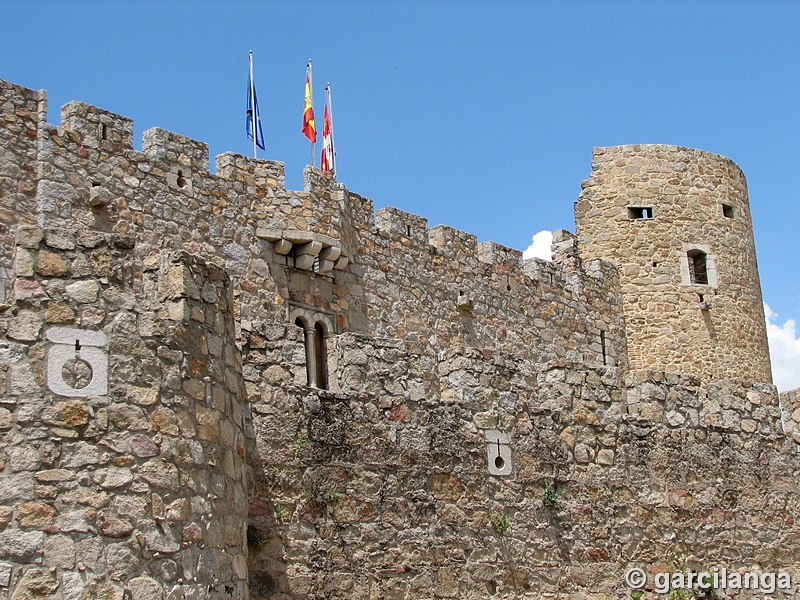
(380, 487)
(21, 112)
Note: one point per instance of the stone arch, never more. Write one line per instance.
(317, 328)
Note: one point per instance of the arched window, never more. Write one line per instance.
(698, 273)
(316, 353)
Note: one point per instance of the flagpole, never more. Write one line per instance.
(311, 91)
(253, 114)
(333, 141)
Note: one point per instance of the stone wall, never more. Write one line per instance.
(790, 405)
(21, 112)
(122, 464)
(696, 201)
(381, 486)
(480, 434)
(243, 218)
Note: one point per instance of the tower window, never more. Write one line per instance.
(640, 212)
(727, 211)
(698, 273)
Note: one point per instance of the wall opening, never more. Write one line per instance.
(181, 180)
(320, 357)
(698, 272)
(727, 211)
(103, 131)
(640, 212)
(309, 348)
(603, 347)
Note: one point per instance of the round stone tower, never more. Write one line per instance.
(676, 221)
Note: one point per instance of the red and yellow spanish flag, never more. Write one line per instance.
(309, 125)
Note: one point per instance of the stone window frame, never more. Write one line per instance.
(317, 328)
(711, 265)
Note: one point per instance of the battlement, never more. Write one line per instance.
(243, 217)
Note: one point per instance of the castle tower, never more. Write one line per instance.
(676, 222)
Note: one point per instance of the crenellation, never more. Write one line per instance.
(168, 148)
(99, 128)
(215, 387)
(400, 223)
(452, 242)
(497, 254)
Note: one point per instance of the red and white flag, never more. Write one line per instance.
(328, 160)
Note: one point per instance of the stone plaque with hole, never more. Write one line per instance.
(77, 363)
(498, 452)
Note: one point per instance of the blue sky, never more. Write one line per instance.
(479, 115)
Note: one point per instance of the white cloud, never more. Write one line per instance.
(540, 248)
(784, 351)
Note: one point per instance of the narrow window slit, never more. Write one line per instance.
(603, 346)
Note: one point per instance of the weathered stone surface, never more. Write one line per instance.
(15, 487)
(71, 413)
(317, 428)
(144, 447)
(164, 419)
(35, 515)
(22, 546)
(51, 265)
(160, 474)
(115, 528)
(59, 312)
(112, 477)
(6, 513)
(145, 588)
(35, 584)
(83, 292)
(121, 559)
(25, 326)
(59, 552)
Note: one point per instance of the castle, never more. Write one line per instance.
(218, 388)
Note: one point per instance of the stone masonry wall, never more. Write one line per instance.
(21, 111)
(380, 487)
(164, 197)
(121, 469)
(697, 200)
(208, 468)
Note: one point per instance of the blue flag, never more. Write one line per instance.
(253, 99)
